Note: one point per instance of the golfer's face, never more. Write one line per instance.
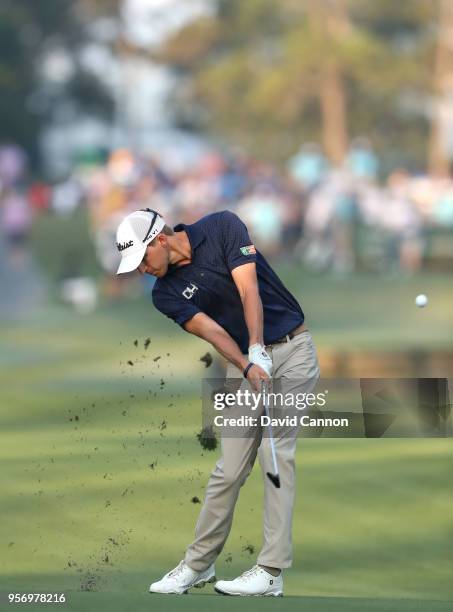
(155, 261)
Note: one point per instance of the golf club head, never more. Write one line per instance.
(274, 478)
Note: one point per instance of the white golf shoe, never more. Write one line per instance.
(253, 582)
(181, 579)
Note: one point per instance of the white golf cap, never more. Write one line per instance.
(133, 235)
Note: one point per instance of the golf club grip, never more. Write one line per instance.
(271, 435)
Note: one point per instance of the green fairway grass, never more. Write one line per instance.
(129, 600)
(375, 312)
(100, 506)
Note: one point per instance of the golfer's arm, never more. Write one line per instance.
(204, 327)
(246, 282)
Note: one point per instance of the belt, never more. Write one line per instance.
(295, 332)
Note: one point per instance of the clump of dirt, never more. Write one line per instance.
(195, 500)
(206, 359)
(207, 438)
(229, 558)
(90, 582)
(147, 343)
(135, 342)
(93, 575)
(157, 358)
(249, 548)
(131, 363)
(153, 464)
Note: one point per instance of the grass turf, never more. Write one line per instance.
(99, 506)
(131, 600)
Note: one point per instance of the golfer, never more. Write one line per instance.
(214, 283)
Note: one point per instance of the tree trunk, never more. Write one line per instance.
(330, 19)
(442, 115)
(333, 109)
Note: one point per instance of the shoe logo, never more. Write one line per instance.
(189, 291)
(125, 245)
(271, 582)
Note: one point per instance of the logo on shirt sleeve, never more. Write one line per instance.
(248, 250)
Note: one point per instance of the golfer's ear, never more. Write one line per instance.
(162, 239)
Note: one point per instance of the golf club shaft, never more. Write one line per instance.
(271, 436)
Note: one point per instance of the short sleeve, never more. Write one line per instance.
(174, 306)
(237, 245)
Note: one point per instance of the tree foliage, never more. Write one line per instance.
(28, 29)
(259, 71)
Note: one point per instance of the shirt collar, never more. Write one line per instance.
(194, 233)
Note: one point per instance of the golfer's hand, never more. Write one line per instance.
(259, 356)
(255, 375)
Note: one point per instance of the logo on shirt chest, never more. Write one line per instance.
(189, 291)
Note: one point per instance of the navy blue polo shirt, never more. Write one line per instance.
(220, 242)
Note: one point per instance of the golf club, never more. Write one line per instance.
(274, 478)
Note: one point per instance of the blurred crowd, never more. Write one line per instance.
(329, 218)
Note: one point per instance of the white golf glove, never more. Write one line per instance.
(259, 356)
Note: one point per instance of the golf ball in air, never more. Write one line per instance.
(421, 300)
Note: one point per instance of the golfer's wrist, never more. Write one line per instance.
(255, 345)
(256, 340)
(246, 370)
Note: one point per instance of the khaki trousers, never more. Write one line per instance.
(296, 361)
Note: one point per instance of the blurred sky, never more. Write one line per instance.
(148, 22)
(140, 87)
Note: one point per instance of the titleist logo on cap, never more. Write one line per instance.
(125, 245)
